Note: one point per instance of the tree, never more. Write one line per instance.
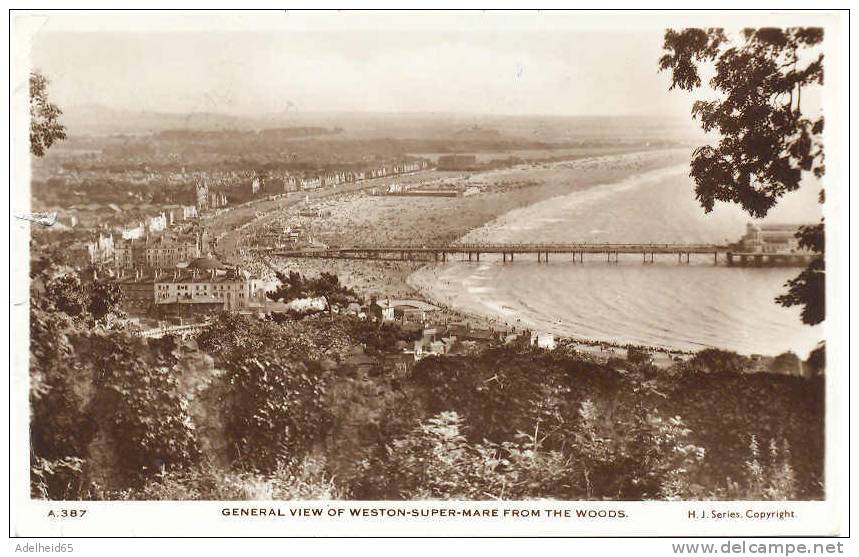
(291, 287)
(808, 289)
(104, 298)
(713, 360)
(45, 126)
(86, 381)
(67, 294)
(326, 286)
(786, 362)
(276, 408)
(766, 142)
(434, 460)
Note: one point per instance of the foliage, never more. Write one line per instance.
(808, 289)
(787, 362)
(303, 480)
(232, 337)
(61, 478)
(430, 462)
(380, 337)
(139, 405)
(60, 425)
(637, 356)
(503, 391)
(275, 408)
(714, 360)
(85, 382)
(640, 456)
(659, 457)
(610, 422)
(766, 141)
(326, 286)
(524, 469)
(772, 480)
(817, 360)
(95, 300)
(725, 410)
(435, 461)
(507, 423)
(291, 287)
(45, 126)
(105, 297)
(67, 293)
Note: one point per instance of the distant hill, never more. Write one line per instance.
(102, 120)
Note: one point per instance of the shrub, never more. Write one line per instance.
(302, 480)
(275, 409)
(764, 479)
(139, 405)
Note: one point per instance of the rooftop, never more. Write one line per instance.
(207, 263)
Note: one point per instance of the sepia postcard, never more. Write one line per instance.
(429, 273)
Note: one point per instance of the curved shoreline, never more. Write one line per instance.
(633, 309)
(425, 290)
(592, 345)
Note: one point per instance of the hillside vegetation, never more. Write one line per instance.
(259, 409)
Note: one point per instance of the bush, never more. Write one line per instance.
(772, 479)
(303, 480)
(139, 405)
(275, 409)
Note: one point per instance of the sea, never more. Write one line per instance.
(667, 304)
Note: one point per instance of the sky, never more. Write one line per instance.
(558, 72)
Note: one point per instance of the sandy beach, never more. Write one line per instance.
(361, 218)
(358, 217)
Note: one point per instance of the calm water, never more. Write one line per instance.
(666, 304)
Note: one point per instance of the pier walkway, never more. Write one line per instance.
(507, 251)
(574, 251)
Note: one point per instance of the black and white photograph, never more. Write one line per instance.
(436, 261)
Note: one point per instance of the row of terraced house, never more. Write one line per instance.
(294, 182)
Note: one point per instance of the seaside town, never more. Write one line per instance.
(412, 306)
(174, 278)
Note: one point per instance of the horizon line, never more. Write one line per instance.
(367, 112)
